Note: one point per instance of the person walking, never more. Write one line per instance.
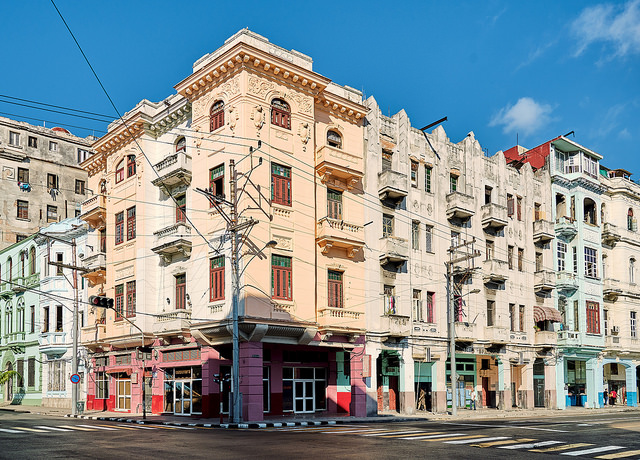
(613, 396)
(473, 398)
(606, 396)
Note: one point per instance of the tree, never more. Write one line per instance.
(6, 375)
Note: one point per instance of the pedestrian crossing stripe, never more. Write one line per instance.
(99, 427)
(24, 428)
(629, 453)
(435, 436)
(379, 430)
(501, 443)
(532, 445)
(452, 437)
(52, 428)
(564, 447)
(392, 432)
(469, 441)
(592, 451)
(410, 436)
(75, 427)
(8, 430)
(122, 427)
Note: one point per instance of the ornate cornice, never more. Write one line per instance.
(168, 121)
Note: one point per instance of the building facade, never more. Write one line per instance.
(20, 322)
(294, 139)
(41, 178)
(433, 204)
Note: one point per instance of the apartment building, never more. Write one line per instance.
(41, 180)
(620, 252)
(163, 252)
(431, 203)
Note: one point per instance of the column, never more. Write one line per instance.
(527, 385)
(371, 382)
(550, 387)
(503, 389)
(251, 380)
(439, 384)
(594, 382)
(632, 395)
(407, 382)
(358, 387)
(561, 391)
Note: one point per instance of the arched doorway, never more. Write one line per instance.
(614, 378)
(8, 392)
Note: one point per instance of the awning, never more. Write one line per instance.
(546, 313)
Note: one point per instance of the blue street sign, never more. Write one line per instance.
(75, 378)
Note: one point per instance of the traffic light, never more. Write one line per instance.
(101, 301)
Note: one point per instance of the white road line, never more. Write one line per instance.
(434, 436)
(595, 450)
(99, 427)
(51, 428)
(7, 430)
(469, 441)
(394, 432)
(365, 430)
(531, 445)
(506, 426)
(138, 427)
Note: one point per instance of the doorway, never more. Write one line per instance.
(123, 394)
(182, 398)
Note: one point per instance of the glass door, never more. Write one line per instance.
(303, 395)
(182, 397)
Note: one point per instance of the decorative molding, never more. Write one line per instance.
(260, 87)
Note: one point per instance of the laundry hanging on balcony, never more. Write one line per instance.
(24, 186)
(546, 313)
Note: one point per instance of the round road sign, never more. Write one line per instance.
(75, 378)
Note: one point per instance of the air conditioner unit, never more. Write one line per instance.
(615, 329)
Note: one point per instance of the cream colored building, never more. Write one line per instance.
(422, 198)
(297, 143)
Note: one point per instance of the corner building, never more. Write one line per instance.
(424, 196)
(297, 142)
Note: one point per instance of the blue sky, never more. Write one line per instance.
(501, 69)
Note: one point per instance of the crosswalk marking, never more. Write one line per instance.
(435, 436)
(501, 443)
(469, 441)
(394, 433)
(629, 453)
(53, 428)
(76, 427)
(532, 445)
(24, 428)
(100, 427)
(452, 438)
(122, 427)
(564, 447)
(592, 451)
(135, 427)
(8, 430)
(355, 431)
(410, 436)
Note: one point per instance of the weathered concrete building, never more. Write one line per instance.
(41, 178)
(423, 198)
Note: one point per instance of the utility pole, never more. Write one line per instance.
(469, 255)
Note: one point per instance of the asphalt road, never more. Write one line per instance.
(602, 436)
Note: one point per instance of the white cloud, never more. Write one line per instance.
(624, 134)
(525, 116)
(609, 121)
(534, 55)
(617, 26)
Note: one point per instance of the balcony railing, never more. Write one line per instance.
(96, 265)
(460, 205)
(94, 334)
(494, 216)
(393, 250)
(173, 321)
(22, 283)
(497, 334)
(340, 234)
(175, 170)
(53, 343)
(172, 240)
(93, 211)
(392, 185)
(566, 227)
(566, 281)
(611, 289)
(546, 338)
(465, 332)
(395, 325)
(610, 234)
(569, 338)
(544, 280)
(495, 271)
(336, 163)
(341, 317)
(543, 231)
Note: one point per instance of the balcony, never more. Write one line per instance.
(169, 323)
(544, 280)
(494, 216)
(94, 336)
(566, 281)
(610, 234)
(393, 250)
(93, 211)
(14, 338)
(333, 163)
(96, 265)
(392, 185)
(569, 339)
(495, 271)
(566, 227)
(395, 325)
(172, 240)
(22, 283)
(340, 318)
(465, 332)
(546, 338)
(543, 231)
(173, 171)
(611, 289)
(5, 290)
(334, 233)
(53, 343)
(496, 334)
(460, 206)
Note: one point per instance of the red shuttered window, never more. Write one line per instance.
(281, 278)
(280, 184)
(216, 116)
(593, 317)
(119, 227)
(181, 291)
(336, 295)
(131, 223)
(216, 279)
(119, 301)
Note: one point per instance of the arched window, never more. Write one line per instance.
(131, 165)
(181, 145)
(216, 116)
(590, 211)
(23, 254)
(630, 220)
(280, 114)
(10, 270)
(32, 260)
(334, 139)
(8, 318)
(632, 270)
(120, 172)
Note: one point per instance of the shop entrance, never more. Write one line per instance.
(576, 382)
(538, 383)
(388, 368)
(183, 390)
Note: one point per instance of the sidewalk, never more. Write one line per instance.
(387, 417)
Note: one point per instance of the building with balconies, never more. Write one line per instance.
(299, 176)
(42, 181)
(19, 322)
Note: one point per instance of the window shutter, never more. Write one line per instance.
(634, 224)
(510, 206)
